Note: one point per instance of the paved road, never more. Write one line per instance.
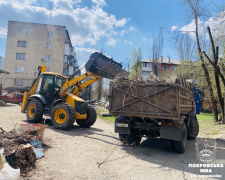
(78, 153)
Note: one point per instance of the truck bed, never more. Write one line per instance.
(154, 100)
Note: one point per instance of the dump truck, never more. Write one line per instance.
(52, 94)
(154, 109)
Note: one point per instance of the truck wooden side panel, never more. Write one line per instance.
(156, 100)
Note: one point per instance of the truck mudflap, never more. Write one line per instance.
(122, 125)
(171, 130)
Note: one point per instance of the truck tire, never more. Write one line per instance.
(91, 118)
(63, 116)
(180, 146)
(35, 111)
(130, 139)
(193, 130)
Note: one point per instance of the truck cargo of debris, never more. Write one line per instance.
(153, 109)
(17, 151)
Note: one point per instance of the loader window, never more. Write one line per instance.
(59, 81)
(46, 87)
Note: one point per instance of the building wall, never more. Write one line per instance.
(165, 67)
(35, 50)
(2, 62)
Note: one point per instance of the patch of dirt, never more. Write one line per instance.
(96, 153)
(14, 151)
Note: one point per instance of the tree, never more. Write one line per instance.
(217, 72)
(157, 48)
(195, 9)
(126, 64)
(99, 89)
(136, 64)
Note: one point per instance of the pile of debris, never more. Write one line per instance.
(17, 150)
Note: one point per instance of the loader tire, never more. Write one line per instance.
(91, 118)
(193, 130)
(35, 111)
(180, 146)
(63, 116)
(130, 139)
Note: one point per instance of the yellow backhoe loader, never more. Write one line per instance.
(54, 95)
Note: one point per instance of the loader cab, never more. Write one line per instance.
(49, 86)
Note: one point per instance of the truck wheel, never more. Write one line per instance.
(180, 146)
(91, 118)
(62, 116)
(34, 111)
(193, 130)
(130, 139)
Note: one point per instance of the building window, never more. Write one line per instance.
(19, 69)
(48, 45)
(146, 73)
(47, 58)
(173, 68)
(18, 82)
(165, 67)
(22, 31)
(47, 70)
(49, 34)
(20, 56)
(22, 44)
(145, 64)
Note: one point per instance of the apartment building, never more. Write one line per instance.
(30, 45)
(2, 62)
(164, 66)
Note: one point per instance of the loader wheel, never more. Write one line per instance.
(63, 116)
(34, 111)
(180, 146)
(130, 139)
(91, 118)
(193, 130)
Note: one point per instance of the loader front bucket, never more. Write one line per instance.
(101, 65)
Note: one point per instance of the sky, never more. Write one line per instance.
(113, 26)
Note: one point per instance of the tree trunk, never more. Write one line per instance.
(216, 73)
(209, 84)
(99, 92)
(89, 92)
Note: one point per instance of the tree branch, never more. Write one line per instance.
(208, 58)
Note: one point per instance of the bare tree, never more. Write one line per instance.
(217, 72)
(157, 48)
(195, 7)
(126, 64)
(99, 89)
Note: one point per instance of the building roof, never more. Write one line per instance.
(35, 23)
(18, 88)
(3, 72)
(165, 61)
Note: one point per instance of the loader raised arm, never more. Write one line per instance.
(49, 93)
(97, 67)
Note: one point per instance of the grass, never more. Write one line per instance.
(207, 125)
(205, 116)
(100, 110)
(109, 118)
